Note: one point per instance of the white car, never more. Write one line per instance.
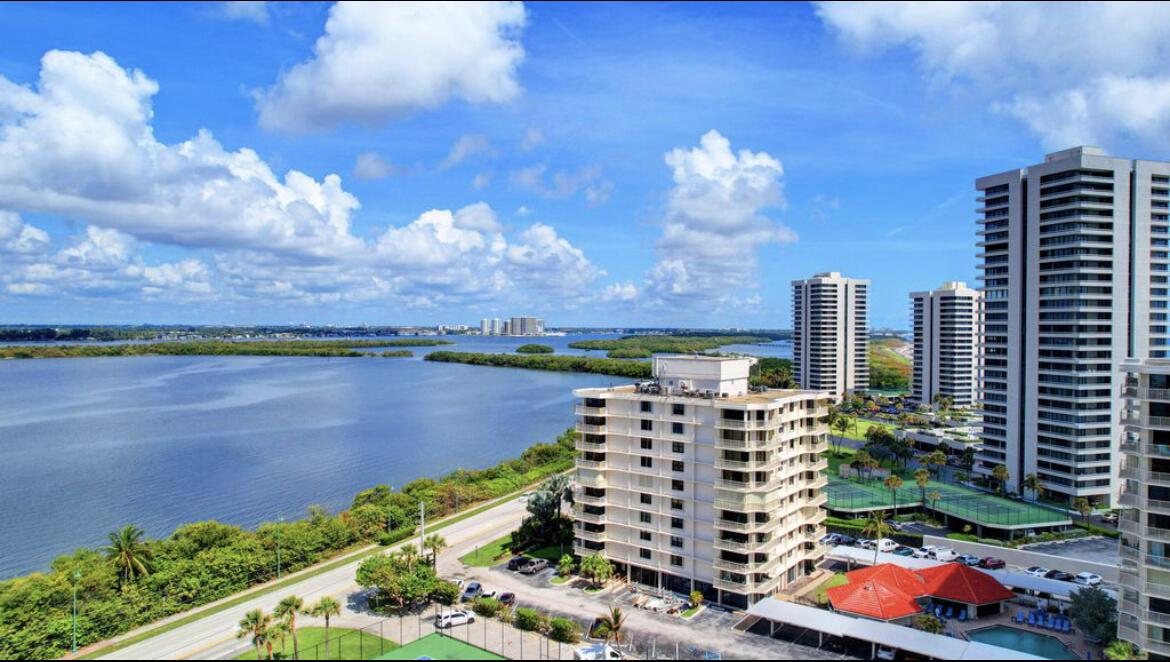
(452, 618)
(865, 543)
(886, 545)
(1087, 578)
(924, 552)
(945, 554)
(1037, 571)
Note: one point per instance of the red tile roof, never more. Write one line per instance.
(888, 591)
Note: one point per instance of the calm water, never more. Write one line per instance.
(87, 445)
(1024, 641)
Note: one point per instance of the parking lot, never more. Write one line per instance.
(1096, 550)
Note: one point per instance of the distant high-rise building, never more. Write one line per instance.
(946, 337)
(1074, 261)
(830, 339)
(485, 326)
(527, 326)
(507, 327)
(497, 327)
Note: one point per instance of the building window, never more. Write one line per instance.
(677, 465)
(677, 485)
(647, 406)
(647, 462)
(676, 560)
(676, 504)
(678, 409)
(644, 553)
(676, 523)
(646, 498)
(645, 518)
(677, 447)
(676, 541)
(676, 428)
(647, 444)
(647, 424)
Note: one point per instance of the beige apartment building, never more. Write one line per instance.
(946, 344)
(696, 481)
(830, 333)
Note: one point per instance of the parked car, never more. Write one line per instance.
(886, 545)
(1087, 578)
(897, 526)
(1037, 571)
(488, 594)
(533, 566)
(848, 541)
(992, 563)
(924, 552)
(866, 543)
(945, 554)
(904, 551)
(831, 539)
(968, 559)
(517, 562)
(452, 618)
(507, 599)
(472, 591)
(1059, 575)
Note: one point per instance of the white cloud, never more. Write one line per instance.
(531, 139)
(371, 166)
(620, 292)
(464, 147)
(1074, 73)
(244, 10)
(714, 226)
(563, 183)
(822, 205)
(523, 211)
(547, 262)
(378, 61)
(19, 238)
(481, 181)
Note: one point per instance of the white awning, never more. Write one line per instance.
(888, 635)
(865, 557)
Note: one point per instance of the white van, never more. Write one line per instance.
(945, 554)
(886, 545)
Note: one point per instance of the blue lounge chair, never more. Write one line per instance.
(1067, 625)
(1031, 618)
(962, 615)
(950, 612)
(1018, 616)
(1051, 622)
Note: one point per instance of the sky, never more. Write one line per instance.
(595, 164)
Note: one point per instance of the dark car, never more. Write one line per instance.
(1059, 575)
(848, 541)
(904, 551)
(992, 563)
(507, 599)
(517, 562)
(472, 591)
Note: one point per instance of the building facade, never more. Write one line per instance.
(1074, 270)
(497, 326)
(485, 326)
(830, 339)
(526, 326)
(1144, 602)
(946, 338)
(694, 481)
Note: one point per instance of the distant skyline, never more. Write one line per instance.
(592, 164)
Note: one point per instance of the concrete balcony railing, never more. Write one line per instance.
(741, 444)
(590, 428)
(1155, 533)
(1146, 393)
(587, 480)
(583, 445)
(747, 585)
(723, 564)
(595, 536)
(590, 464)
(750, 526)
(582, 410)
(749, 546)
(747, 485)
(589, 500)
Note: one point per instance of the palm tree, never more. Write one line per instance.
(1032, 484)
(325, 608)
(1001, 475)
(255, 624)
(128, 553)
(280, 632)
(855, 419)
(436, 544)
(406, 555)
(875, 528)
(842, 425)
(560, 488)
(922, 479)
(934, 497)
(1122, 650)
(1084, 507)
(939, 460)
(610, 626)
(831, 419)
(894, 482)
(863, 461)
(287, 611)
(960, 477)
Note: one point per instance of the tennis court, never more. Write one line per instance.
(956, 501)
(436, 646)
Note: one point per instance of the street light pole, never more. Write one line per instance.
(76, 579)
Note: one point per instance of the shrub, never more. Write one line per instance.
(564, 631)
(387, 538)
(533, 348)
(446, 593)
(965, 537)
(530, 620)
(486, 607)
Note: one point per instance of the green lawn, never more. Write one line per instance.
(344, 644)
(500, 549)
(437, 646)
(819, 595)
(857, 429)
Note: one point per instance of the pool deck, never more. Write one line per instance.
(1074, 641)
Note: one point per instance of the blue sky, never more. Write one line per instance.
(596, 164)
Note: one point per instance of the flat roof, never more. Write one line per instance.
(752, 397)
(882, 634)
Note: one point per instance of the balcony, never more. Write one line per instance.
(587, 480)
(589, 500)
(591, 429)
(1155, 533)
(582, 410)
(583, 445)
(747, 485)
(586, 516)
(742, 568)
(594, 536)
(749, 546)
(750, 526)
(1146, 393)
(590, 464)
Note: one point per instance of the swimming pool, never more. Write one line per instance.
(1023, 641)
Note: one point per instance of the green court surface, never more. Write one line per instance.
(961, 502)
(437, 646)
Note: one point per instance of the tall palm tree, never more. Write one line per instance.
(1084, 507)
(875, 528)
(939, 460)
(128, 553)
(1001, 475)
(842, 425)
(560, 488)
(280, 631)
(893, 483)
(831, 419)
(406, 555)
(863, 461)
(611, 626)
(287, 610)
(1032, 484)
(1122, 650)
(255, 624)
(922, 479)
(436, 544)
(325, 608)
(933, 497)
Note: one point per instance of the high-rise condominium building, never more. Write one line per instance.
(497, 326)
(830, 339)
(1074, 261)
(527, 326)
(946, 337)
(485, 326)
(1144, 603)
(694, 481)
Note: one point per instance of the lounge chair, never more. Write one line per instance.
(962, 615)
(950, 612)
(1032, 618)
(1067, 625)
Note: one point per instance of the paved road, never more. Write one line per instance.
(214, 636)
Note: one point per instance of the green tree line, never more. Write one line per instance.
(343, 348)
(134, 580)
(668, 344)
(618, 367)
